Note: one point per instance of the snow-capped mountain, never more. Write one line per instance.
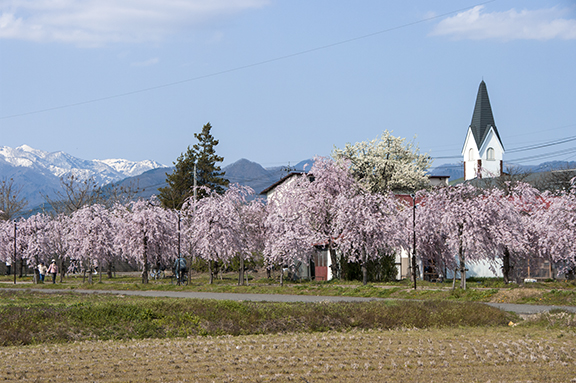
(60, 164)
(38, 172)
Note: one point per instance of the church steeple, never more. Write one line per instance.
(483, 150)
(482, 118)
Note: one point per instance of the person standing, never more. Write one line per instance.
(53, 269)
(42, 270)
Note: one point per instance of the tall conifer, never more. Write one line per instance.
(208, 173)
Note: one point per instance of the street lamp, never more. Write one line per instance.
(414, 238)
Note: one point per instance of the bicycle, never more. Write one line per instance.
(183, 280)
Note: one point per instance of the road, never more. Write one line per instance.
(516, 308)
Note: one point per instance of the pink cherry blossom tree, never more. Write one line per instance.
(286, 226)
(514, 208)
(33, 232)
(557, 224)
(302, 213)
(12, 242)
(226, 225)
(465, 222)
(366, 225)
(58, 240)
(145, 230)
(91, 237)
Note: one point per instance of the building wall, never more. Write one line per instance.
(475, 158)
(491, 165)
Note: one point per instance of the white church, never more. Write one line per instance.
(483, 149)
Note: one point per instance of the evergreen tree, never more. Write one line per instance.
(208, 174)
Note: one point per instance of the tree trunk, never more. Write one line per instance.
(454, 280)
(462, 274)
(364, 273)
(145, 260)
(506, 269)
(281, 276)
(461, 257)
(36, 272)
(61, 268)
(109, 269)
(90, 271)
(241, 271)
(210, 272)
(99, 271)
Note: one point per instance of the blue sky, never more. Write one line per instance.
(284, 80)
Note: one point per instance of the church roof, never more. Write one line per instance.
(482, 117)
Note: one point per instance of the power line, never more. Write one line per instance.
(544, 145)
(243, 67)
(545, 155)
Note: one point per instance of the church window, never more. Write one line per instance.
(490, 154)
(471, 155)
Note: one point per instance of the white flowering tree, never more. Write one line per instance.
(386, 164)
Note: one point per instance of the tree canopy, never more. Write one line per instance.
(208, 173)
(387, 164)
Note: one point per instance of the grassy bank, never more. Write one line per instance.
(479, 290)
(35, 318)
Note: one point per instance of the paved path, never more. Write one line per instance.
(204, 295)
(517, 308)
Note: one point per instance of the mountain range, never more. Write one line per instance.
(38, 173)
(456, 170)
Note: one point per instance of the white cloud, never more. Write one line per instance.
(97, 22)
(542, 24)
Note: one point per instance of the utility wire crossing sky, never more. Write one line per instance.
(109, 79)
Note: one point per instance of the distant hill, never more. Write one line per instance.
(38, 173)
(243, 172)
(456, 170)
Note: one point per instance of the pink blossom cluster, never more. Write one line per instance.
(454, 226)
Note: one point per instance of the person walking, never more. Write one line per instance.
(53, 269)
(42, 270)
(180, 268)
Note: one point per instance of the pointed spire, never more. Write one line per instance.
(482, 117)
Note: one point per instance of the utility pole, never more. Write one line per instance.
(14, 257)
(414, 238)
(195, 184)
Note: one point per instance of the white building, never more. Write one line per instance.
(483, 149)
